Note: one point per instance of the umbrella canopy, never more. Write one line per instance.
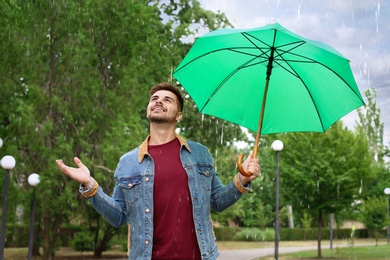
(269, 80)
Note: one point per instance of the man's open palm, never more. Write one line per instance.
(80, 174)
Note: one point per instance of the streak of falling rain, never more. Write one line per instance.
(222, 136)
(299, 10)
(361, 186)
(377, 17)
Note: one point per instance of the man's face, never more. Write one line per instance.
(163, 107)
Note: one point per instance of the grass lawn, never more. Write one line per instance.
(371, 252)
(65, 253)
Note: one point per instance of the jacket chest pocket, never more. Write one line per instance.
(206, 176)
(131, 187)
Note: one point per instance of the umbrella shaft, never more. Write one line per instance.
(269, 71)
(255, 148)
(270, 61)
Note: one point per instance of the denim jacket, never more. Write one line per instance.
(132, 198)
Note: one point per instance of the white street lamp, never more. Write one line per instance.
(277, 146)
(33, 180)
(8, 163)
(387, 192)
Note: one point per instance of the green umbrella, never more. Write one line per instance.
(227, 73)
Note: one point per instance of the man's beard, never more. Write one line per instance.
(160, 120)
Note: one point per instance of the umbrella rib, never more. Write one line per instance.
(248, 36)
(233, 49)
(226, 79)
(309, 60)
(295, 44)
(303, 82)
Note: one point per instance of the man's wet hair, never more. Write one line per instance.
(168, 87)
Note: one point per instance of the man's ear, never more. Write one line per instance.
(179, 116)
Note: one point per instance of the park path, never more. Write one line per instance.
(250, 254)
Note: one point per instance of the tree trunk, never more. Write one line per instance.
(319, 235)
(101, 246)
(35, 249)
(46, 237)
(376, 237)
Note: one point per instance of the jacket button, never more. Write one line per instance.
(147, 210)
(130, 184)
(146, 242)
(147, 179)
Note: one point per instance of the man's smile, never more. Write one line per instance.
(158, 109)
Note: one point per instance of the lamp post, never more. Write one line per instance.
(277, 146)
(387, 192)
(8, 163)
(33, 180)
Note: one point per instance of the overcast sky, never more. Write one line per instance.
(359, 29)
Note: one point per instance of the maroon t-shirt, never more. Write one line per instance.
(174, 234)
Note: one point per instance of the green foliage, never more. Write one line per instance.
(307, 220)
(256, 208)
(225, 233)
(303, 234)
(374, 214)
(354, 252)
(75, 81)
(370, 124)
(323, 173)
(330, 167)
(286, 234)
(371, 127)
(255, 234)
(82, 241)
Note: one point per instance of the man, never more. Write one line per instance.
(165, 188)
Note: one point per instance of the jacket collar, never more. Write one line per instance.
(143, 149)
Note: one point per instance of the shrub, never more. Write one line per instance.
(225, 233)
(82, 242)
(255, 234)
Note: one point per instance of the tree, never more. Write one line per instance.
(370, 124)
(322, 173)
(75, 81)
(371, 127)
(374, 215)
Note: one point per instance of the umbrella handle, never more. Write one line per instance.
(240, 168)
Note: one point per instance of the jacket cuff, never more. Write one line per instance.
(91, 191)
(240, 186)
